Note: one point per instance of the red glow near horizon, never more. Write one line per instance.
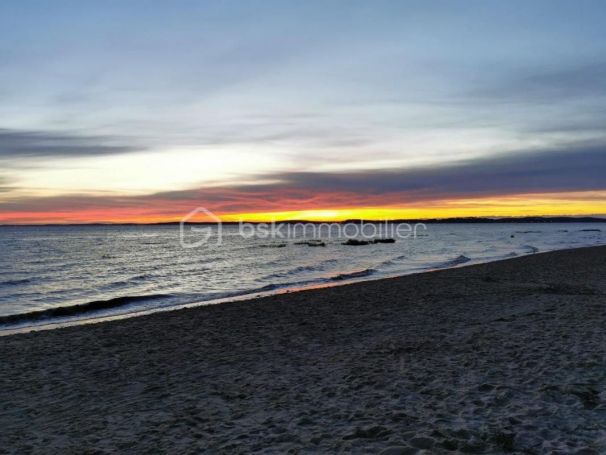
(265, 206)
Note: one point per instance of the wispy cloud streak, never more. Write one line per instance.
(15, 144)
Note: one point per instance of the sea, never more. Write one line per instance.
(61, 275)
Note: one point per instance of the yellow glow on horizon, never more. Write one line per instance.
(565, 204)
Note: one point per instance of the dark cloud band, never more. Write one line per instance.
(37, 144)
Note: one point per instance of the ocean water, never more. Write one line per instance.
(101, 271)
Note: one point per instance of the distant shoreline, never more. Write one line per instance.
(456, 220)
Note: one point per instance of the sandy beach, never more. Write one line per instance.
(506, 357)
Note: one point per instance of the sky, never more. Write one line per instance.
(142, 111)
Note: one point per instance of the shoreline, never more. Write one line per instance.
(506, 356)
(96, 317)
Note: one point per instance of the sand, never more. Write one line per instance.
(496, 358)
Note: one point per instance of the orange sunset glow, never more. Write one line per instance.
(550, 204)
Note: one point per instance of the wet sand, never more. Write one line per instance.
(494, 358)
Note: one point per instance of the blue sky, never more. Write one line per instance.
(136, 97)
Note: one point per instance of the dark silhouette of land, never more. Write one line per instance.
(456, 220)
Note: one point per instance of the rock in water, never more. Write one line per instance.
(356, 242)
(313, 242)
(316, 243)
(384, 240)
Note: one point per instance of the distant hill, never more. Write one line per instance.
(458, 220)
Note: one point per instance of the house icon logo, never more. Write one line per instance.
(192, 235)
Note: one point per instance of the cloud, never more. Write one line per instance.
(572, 168)
(4, 184)
(580, 167)
(579, 81)
(16, 144)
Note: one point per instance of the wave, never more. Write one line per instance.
(391, 261)
(292, 284)
(128, 281)
(461, 259)
(531, 249)
(528, 232)
(300, 283)
(590, 230)
(15, 282)
(252, 291)
(79, 309)
(226, 295)
(300, 269)
(358, 274)
(294, 271)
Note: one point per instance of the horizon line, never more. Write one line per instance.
(458, 220)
